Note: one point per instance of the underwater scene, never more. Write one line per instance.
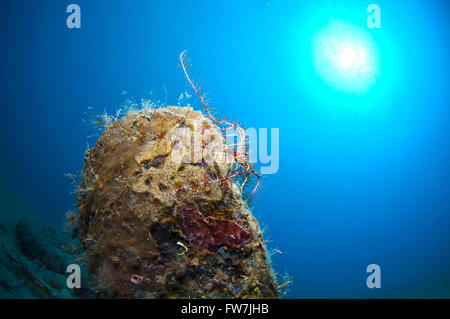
(209, 149)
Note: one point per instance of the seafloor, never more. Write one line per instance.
(33, 256)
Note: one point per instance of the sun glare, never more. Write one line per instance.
(345, 57)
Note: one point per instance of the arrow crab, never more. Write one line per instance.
(242, 169)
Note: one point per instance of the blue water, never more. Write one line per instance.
(363, 178)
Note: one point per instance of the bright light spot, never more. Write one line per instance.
(345, 57)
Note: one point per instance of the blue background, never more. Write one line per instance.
(363, 178)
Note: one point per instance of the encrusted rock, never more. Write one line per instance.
(159, 217)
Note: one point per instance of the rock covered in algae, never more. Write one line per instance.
(153, 228)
